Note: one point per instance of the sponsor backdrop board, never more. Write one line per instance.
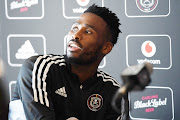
(150, 32)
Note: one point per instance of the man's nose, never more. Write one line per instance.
(77, 35)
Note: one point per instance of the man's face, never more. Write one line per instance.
(85, 39)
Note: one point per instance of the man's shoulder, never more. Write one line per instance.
(46, 57)
(40, 66)
(44, 61)
(107, 78)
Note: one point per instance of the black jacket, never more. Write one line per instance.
(50, 91)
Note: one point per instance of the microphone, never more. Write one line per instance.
(135, 77)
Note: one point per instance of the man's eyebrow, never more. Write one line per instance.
(87, 25)
(90, 26)
(76, 22)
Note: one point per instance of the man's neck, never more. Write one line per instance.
(84, 71)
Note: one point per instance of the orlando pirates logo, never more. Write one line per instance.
(146, 5)
(95, 102)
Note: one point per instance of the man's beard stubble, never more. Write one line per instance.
(86, 58)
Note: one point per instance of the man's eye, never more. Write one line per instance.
(74, 29)
(88, 31)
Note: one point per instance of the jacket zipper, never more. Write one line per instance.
(81, 87)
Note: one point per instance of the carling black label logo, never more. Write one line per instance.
(24, 9)
(153, 103)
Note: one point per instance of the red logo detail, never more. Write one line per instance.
(148, 48)
(83, 0)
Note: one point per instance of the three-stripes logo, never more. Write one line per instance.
(25, 51)
(61, 91)
(22, 46)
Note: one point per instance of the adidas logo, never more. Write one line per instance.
(61, 91)
(25, 51)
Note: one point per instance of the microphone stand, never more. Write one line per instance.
(136, 77)
(122, 94)
(125, 106)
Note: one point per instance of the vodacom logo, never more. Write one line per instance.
(82, 2)
(148, 48)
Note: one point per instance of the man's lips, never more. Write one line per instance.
(74, 46)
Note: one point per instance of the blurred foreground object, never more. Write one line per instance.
(1, 69)
(14, 113)
(135, 77)
(3, 100)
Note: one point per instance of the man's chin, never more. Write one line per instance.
(72, 56)
(75, 60)
(81, 59)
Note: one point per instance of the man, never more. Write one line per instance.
(54, 87)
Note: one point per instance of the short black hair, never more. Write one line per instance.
(109, 17)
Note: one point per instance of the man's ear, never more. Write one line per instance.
(107, 47)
